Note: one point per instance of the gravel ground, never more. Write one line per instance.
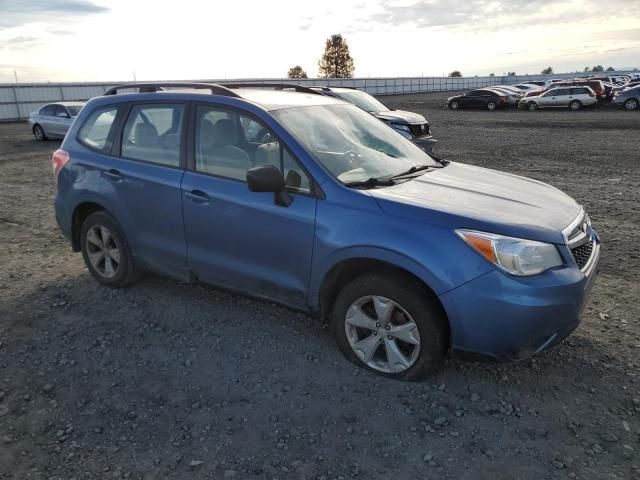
(166, 380)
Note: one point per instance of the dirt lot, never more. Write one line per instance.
(165, 380)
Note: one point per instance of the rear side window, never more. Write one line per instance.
(578, 91)
(153, 134)
(95, 131)
(48, 110)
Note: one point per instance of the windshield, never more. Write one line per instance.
(362, 100)
(352, 144)
(73, 109)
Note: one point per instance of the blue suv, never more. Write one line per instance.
(313, 203)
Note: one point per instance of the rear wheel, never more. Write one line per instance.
(631, 104)
(38, 132)
(454, 105)
(106, 251)
(389, 324)
(491, 106)
(532, 106)
(575, 105)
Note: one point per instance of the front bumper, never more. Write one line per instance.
(511, 318)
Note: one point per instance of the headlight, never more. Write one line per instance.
(513, 255)
(402, 128)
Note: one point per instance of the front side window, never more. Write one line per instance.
(95, 131)
(153, 134)
(229, 143)
(352, 144)
(61, 112)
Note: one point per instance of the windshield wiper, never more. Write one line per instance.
(371, 182)
(414, 169)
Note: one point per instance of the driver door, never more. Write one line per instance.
(237, 238)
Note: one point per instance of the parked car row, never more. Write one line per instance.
(559, 93)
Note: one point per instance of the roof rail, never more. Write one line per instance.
(147, 87)
(329, 87)
(275, 86)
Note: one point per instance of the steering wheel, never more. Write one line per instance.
(350, 157)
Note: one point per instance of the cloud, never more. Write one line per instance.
(16, 13)
(485, 15)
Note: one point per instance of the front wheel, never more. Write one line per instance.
(38, 132)
(106, 251)
(389, 324)
(575, 105)
(454, 106)
(532, 106)
(491, 106)
(631, 104)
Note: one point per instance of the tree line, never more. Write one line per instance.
(336, 62)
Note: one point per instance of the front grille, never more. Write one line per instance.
(582, 253)
(419, 130)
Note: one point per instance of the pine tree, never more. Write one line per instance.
(336, 62)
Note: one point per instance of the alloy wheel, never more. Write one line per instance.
(533, 106)
(453, 106)
(631, 104)
(382, 334)
(38, 132)
(491, 106)
(103, 251)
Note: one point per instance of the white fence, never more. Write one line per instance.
(17, 101)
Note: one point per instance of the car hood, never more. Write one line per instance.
(464, 196)
(400, 116)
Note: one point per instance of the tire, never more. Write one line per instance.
(38, 132)
(631, 104)
(575, 105)
(491, 106)
(110, 263)
(454, 105)
(415, 315)
(532, 106)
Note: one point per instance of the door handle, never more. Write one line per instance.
(113, 174)
(197, 196)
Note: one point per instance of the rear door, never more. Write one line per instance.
(142, 175)
(61, 120)
(46, 119)
(238, 238)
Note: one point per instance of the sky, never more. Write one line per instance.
(102, 40)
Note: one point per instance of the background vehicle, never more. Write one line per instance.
(53, 120)
(595, 85)
(512, 98)
(527, 87)
(410, 125)
(257, 190)
(571, 97)
(628, 98)
(482, 98)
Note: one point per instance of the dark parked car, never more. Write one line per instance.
(482, 98)
(408, 124)
(628, 98)
(310, 201)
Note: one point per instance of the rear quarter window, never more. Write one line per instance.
(95, 131)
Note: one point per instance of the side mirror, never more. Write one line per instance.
(267, 178)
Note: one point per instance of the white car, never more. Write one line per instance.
(53, 120)
(572, 97)
(527, 87)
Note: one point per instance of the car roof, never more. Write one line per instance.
(278, 99)
(267, 96)
(68, 104)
